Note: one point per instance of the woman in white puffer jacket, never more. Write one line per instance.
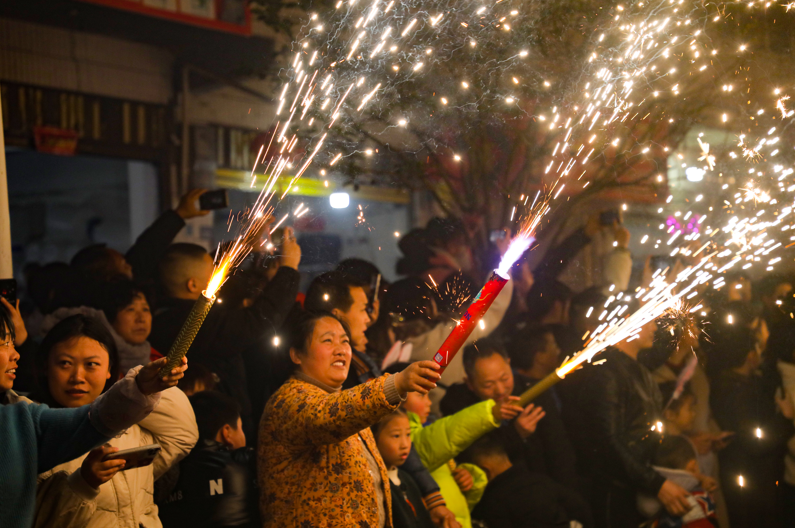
(78, 361)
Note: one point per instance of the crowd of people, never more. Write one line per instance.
(325, 409)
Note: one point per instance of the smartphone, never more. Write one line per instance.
(497, 234)
(214, 200)
(137, 456)
(8, 290)
(277, 237)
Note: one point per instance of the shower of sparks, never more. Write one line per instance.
(617, 326)
(351, 63)
(455, 293)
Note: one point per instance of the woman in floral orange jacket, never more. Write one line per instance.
(318, 462)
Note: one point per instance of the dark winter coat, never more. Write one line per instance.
(216, 488)
(408, 511)
(548, 450)
(517, 498)
(612, 410)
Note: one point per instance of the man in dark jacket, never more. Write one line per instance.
(541, 446)
(614, 415)
(217, 484)
(226, 334)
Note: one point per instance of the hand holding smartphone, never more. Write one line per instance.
(136, 457)
(217, 199)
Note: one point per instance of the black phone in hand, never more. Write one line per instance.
(214, 200)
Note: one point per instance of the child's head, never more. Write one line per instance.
(419, 404)
(218, 419)
(488, 454)
(676, 452)
(393, 438)
(681, 412)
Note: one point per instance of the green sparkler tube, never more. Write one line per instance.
(188, 333)
(533, 392)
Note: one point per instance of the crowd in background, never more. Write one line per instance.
(324, 409)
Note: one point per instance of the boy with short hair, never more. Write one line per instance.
(517, 498)
(217, 484)
(676, 461)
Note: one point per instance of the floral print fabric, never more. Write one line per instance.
(313, 471)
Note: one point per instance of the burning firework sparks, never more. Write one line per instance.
(658, 51)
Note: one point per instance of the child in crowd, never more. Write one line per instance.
(678, 419)
(440, 441)
(676, 461)
(393, 438)
(517, 498)
(217, 483)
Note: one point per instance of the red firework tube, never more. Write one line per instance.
(467, 323)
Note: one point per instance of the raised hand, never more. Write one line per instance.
(506, 409)
(527, 421)
(674, 498)
(291, 251)
(149, 380)
(463, 478)
(189, 205)
(443, 518)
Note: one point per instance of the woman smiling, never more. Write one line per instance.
(318, 462)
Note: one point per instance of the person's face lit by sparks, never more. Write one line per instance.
(328, 354)
(491, 378)
(356, 317)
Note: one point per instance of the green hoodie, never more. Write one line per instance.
(440, 442)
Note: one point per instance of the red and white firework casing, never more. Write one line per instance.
(467, 323)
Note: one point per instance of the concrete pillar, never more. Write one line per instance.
(6, 266)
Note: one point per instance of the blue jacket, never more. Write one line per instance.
(33, 439)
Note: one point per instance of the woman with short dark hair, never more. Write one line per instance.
(77, 362)
(318, 462)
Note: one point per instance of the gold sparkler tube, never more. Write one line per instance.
(533, 392)
(188, 332)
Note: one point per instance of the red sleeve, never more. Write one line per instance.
(154, 355)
